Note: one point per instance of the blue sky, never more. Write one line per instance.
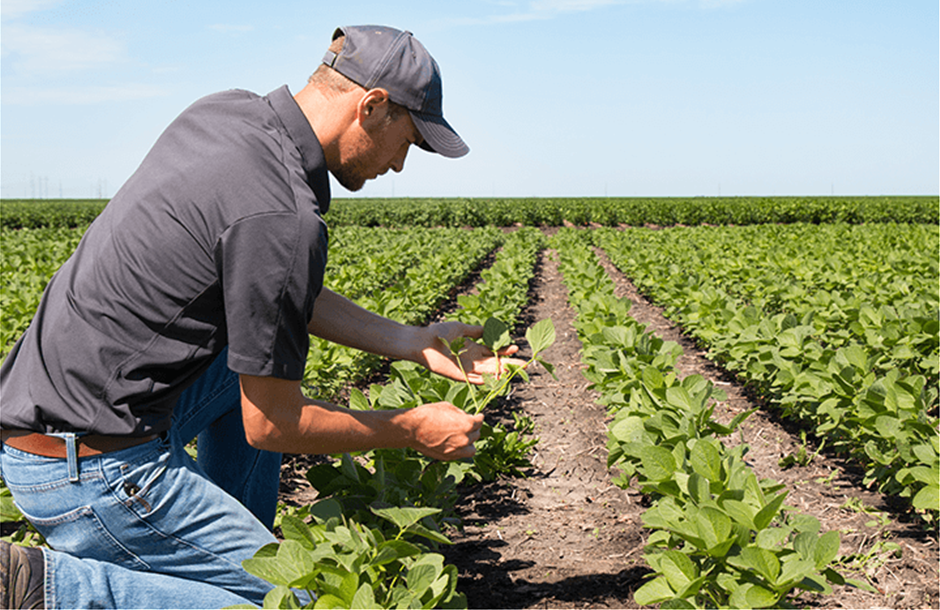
(554, 97)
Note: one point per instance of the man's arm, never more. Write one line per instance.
(339, 320)
(278, 417)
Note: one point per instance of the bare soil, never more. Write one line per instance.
(566, 537)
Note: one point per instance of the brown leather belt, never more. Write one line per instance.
(54, 447)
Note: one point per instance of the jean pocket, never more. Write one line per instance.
(81, 533)
(135, 482)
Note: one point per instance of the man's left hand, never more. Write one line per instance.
(476, 359)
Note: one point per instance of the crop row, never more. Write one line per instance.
(554, 212)
(836, 325)
(721, 538)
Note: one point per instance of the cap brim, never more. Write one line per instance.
(439, 136)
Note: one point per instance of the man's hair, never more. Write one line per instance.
(332, 83)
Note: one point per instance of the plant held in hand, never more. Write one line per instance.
(496, 337)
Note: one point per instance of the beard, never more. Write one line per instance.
(351, 175)
(361, 163)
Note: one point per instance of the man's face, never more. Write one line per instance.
(373, 148)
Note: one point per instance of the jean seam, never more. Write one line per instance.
(48, 588)
(179, 541)
(153, 529)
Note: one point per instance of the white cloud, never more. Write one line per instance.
(15, 8)
(32, 50)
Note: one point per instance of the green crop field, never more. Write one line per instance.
(826, 309)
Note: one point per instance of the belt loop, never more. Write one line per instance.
(71, 453)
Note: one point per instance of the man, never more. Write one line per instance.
(184, 312)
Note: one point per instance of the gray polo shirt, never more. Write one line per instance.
(216, 240)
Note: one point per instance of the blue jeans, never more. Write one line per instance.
(147, 527)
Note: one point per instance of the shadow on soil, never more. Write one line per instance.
(489, 583)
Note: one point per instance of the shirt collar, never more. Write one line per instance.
(311, 152)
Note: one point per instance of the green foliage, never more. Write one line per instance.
(836, 325)
(635, 211)
(25, 534)
(553, 212)
(28, 259)
(503, 291)
(341, 563)
(49, 213)
(722, 538)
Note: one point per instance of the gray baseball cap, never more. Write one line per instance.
(375, 56)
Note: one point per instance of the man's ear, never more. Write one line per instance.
(372, 107)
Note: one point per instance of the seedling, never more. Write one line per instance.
(829, 479)
(802, 457)
(857, 506)
(496, 337)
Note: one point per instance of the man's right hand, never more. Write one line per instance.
(442, 431)
(278, 417)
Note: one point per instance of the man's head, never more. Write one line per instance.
(395, 85)
(390, 59)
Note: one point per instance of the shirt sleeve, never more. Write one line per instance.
(271, 271)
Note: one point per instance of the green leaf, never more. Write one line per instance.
(628, 430)
(759, 560)
(548, 366)
(392, 550)
(280, 597)
(678, 569)
(741, 512)
(794, 571)
(658, 463)
(699, 489)
(765, 515)
(860, 584)
(540, 335)
(496, 334)
(294, 529)
(348, 468)
(424, 572)
(430, 534)
(324, 510)
(653, 592)
(328, 601)
(759, 597)
(348, 588)
(404, 517)
(927, 498)
(714, 526)
(358, 400)
(706, 460)
(815, 583)
(292, 563)
(827, 548)
(364, 597)
(680, 397)
(678, 603)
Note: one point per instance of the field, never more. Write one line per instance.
(742, 407)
